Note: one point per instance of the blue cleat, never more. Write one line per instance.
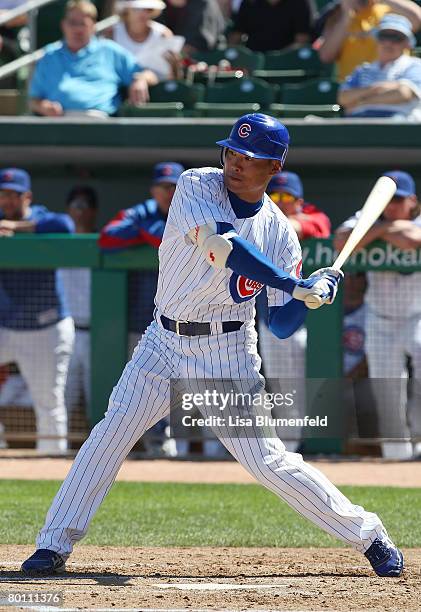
(386, 560)
(43, 563)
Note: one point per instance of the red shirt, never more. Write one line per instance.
(314, 223)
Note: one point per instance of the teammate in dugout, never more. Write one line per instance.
(285, 359)
(393, 321)
(35, 324)
(221, 228)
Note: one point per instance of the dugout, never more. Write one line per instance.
(337, 159)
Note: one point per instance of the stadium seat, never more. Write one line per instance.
(152, 109)
(178, 91)
(237, 56)
(293, 65)
(245, 95)
(315, 97)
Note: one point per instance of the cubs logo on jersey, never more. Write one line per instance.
(243, 289)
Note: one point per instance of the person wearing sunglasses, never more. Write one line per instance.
(344, 30)
(391, 85)
(285, 359)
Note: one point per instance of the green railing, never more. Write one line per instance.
(110, 311)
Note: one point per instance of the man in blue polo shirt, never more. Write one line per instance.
(83, 73)
(36, 331)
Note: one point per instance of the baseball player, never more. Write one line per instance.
(393, 320)
(144, 223)
(285, 359)
(223, 242)
(36, 331)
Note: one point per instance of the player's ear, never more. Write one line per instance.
(276, 166)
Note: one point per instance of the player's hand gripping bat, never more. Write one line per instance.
(378, 198)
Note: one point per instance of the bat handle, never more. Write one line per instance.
(313, 301)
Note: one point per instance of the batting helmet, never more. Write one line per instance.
(258, 135)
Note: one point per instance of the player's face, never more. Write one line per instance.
(78, 29)
(248, 177)
(400, 208)
(14, 204)
(163, 194)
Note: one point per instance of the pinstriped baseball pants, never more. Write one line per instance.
(142, 397)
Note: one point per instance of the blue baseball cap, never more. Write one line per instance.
(397, 23)
(404, 181)
(15, 179)
(286, 181)
(167, 172)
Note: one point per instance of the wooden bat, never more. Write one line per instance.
(377, 200)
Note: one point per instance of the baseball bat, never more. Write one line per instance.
(377, 200)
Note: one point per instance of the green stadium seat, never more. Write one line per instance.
(237, 56)
(236, 98)
(178, 91)
(293, 65)
(314, 97)
(152, 109)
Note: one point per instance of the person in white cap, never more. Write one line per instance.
(153, 44)
(390, 86)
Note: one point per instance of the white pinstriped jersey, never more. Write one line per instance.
(392, 294)
(189, 289)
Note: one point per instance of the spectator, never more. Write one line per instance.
(83, 73)
(285, 359)
(200, 22)
(153, 44)
(36, 331)
(393, 320)
(347, 27)
(271, 25)
(390, 86)
(82, 207)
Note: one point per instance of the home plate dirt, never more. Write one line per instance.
(219, 579)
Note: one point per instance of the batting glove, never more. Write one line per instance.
(333, 277)
(323, 283)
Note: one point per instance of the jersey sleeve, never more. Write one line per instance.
(314, 225)
(195, 201)
(54, 223)
(131, 227)
(289, 259)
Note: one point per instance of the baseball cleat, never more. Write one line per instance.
(43, 563)
(385, 558)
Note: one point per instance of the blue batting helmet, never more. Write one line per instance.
(258, 135)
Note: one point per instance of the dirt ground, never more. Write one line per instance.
(372, 472)
(220, 579)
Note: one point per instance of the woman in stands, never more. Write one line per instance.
(148, 40)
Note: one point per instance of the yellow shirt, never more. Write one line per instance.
(360, 46)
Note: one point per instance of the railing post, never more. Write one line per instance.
(324, 365)
(108, 336)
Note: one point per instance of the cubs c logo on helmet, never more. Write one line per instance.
(244, 130)
(243, 289)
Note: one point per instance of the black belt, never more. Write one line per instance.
(185, 328)
(82, 327)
